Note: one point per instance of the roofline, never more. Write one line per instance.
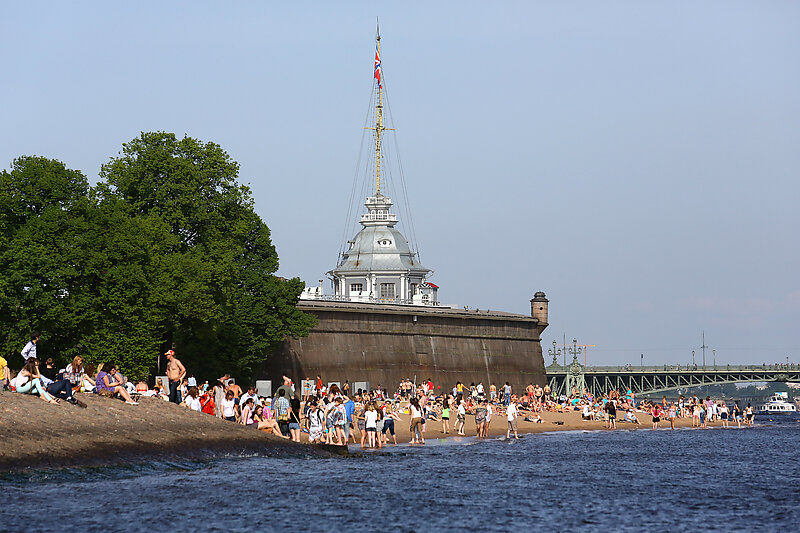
(398, 309)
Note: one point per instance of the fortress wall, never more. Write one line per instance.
(382, 346)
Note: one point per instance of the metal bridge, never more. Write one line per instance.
(648, 380)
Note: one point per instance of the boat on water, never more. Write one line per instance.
(778, 404)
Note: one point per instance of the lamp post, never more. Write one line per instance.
(575, 373)
(555, 353)
(642, 365)
(715, 358)
(693, 363)
(575, 351)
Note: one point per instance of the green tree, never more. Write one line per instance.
(43, 207)
(222, 306)
(165, 250)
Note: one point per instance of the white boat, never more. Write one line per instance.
(778, 404)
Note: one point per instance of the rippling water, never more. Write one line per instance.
(684, 480)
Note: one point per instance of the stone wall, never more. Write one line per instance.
(382, 344)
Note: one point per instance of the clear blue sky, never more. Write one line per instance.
(637, 161)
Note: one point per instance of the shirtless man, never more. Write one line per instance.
(175, 374)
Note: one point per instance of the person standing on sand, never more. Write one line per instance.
(673, 412)
(416, 422)
(511, 415)
(462, 417)
(656, 412)
(611, 410)
(506, 393)
(29, 351)
(175, 374)
(446, 414)
(480, 418)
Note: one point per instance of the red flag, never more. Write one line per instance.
(378, 67)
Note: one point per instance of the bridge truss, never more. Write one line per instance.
(654, 380)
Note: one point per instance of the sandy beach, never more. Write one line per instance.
(35, 434)
(570, 421)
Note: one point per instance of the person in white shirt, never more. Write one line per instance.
(488, 419)
(29, 351)
(371, 425)
(462, 417)
(511, 411)
(229, 407)
(192, 400)
(251, 393)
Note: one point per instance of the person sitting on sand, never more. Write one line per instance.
(88, 378)
(248, 410)
(29, 381)
(107, 384)
(266, 422)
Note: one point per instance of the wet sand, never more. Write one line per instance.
(38, 435)
(570, 421)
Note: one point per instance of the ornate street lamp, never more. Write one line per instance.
(555, 353)
(575, 350)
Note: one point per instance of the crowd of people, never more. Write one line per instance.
(336, 415)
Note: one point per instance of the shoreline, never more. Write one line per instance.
(552, 422)
(35, 435)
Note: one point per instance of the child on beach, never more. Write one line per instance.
(315, 424)
(462, 418)
(371, 425)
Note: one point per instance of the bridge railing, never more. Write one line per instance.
(680, 368)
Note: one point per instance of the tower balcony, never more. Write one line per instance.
(379, 217)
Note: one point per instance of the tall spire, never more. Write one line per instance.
(379, 127)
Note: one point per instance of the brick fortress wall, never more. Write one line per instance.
(382, 344)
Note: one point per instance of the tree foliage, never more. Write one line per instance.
(166, 250)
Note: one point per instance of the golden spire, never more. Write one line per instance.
(379, 128)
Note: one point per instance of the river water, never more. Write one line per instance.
(683, 480)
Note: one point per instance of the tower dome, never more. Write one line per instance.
(379, 264)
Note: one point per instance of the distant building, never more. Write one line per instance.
(384, 322)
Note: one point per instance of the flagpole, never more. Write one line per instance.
(378, 117)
